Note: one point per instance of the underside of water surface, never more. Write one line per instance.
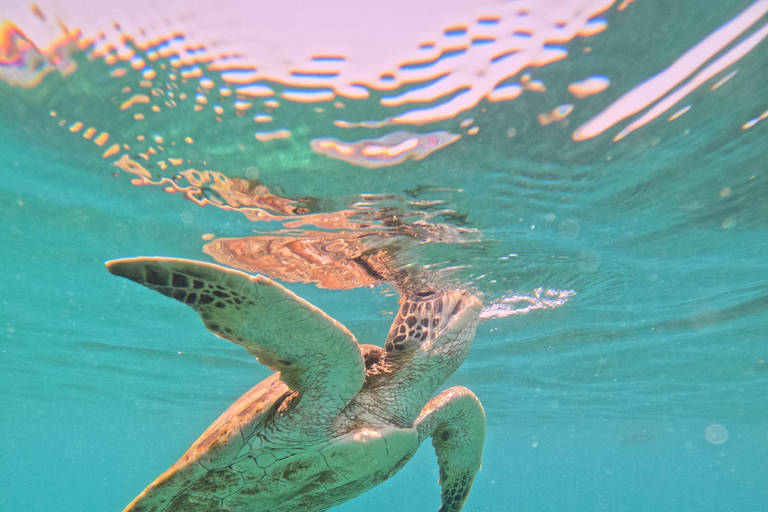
(592, 170)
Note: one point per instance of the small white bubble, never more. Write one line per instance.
(569, 229)
(511, 132)
(550, 217)
(252, 173)
(692, 206)
(716, 434)
(728, 223)
(534, 444)
(187, 217)
(589, 261)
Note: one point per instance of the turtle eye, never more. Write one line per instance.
(426, 295)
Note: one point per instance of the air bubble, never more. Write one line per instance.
(569, 229)
(716, 434)
(589, 261)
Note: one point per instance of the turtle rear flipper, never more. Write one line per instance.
(315, 354)
(456, 422)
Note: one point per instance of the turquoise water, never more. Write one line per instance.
(599, 403)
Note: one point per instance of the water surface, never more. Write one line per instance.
(516, 150)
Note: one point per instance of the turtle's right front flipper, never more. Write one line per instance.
(315, 354)
(456, 422)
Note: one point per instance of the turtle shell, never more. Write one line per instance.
(216, 448)
(220, 463)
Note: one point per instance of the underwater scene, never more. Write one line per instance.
(557, 209)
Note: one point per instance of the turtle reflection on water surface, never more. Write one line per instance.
(338, 418)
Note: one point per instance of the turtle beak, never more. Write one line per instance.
(465, 309)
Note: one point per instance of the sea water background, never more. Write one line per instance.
(600, 404)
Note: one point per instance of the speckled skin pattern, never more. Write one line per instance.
(337, 418)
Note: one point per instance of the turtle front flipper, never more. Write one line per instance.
(456, 422)
(315, 354)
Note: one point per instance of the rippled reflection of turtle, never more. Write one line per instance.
(339, 418)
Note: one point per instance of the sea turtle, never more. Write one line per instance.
(338, 418)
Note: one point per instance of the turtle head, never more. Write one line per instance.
(428, 341)
(433, 320)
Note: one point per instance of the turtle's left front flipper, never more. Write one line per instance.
(456, 422)
(315, 354)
